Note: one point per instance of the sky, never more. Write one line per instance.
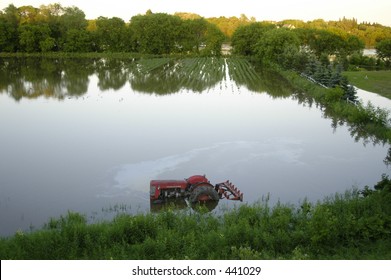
(378, 11)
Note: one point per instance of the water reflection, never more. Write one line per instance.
(258, 80)
(58, 78)
(31, 77)
(112, 74)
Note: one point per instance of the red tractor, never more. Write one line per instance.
(196, 188)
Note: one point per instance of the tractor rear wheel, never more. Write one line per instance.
(204, 193)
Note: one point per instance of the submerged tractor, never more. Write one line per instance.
(194, 189)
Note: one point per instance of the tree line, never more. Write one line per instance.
(271, 39)
(319, 54)
(56, 28)
(369, 33)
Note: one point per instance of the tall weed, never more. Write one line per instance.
(353, 225)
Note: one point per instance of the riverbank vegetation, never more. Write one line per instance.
(354, 225)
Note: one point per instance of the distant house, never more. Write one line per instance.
(369, 52)
(289, 26)
(226, 49)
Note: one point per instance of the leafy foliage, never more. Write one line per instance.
(278, 46)
(383, 49)
(246, 37)
(57, 28)
(229, 25)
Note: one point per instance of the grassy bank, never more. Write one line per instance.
(350, 226)
(373, 81)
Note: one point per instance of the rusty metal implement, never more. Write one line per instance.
(195, 188)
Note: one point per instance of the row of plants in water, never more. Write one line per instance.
(51, 77)
(354, 225)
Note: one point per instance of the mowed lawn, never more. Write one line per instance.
(373, 81)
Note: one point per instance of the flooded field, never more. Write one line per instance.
(88, 136)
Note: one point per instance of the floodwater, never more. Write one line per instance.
(375, 99)
(89, 135)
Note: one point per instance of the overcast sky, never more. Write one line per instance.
(371, 11)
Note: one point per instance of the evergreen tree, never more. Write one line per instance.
(350, 93)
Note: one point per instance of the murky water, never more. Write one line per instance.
(89, 135)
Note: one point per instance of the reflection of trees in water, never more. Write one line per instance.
(243, 73)
(112, 73)
(35, 77)
(57, 78)
(358, 131)
(170, 76)
(76, 74)
(29, 78)
(199, 74)
(202, 73)
(274, 84)
(155, 75)
(368, 133)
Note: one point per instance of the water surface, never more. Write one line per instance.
(89, 135)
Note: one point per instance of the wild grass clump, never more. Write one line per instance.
(354, 225)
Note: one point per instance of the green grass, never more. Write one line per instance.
(353, 225)
(373, 81)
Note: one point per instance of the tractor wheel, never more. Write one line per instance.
(204, 193)
(201, 206)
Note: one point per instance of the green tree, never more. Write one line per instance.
(111, 34)
(193, 34)
(383, 50)
(9, 22)
(71, 18)
(278, 46)
(354, 45)
(35, 38)
(77, 40)
(214, 38)
(47, 44)
(28, 14)
(229, 25)
(321, 41)
(51, 14)
(246, 37)
(156, 33)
